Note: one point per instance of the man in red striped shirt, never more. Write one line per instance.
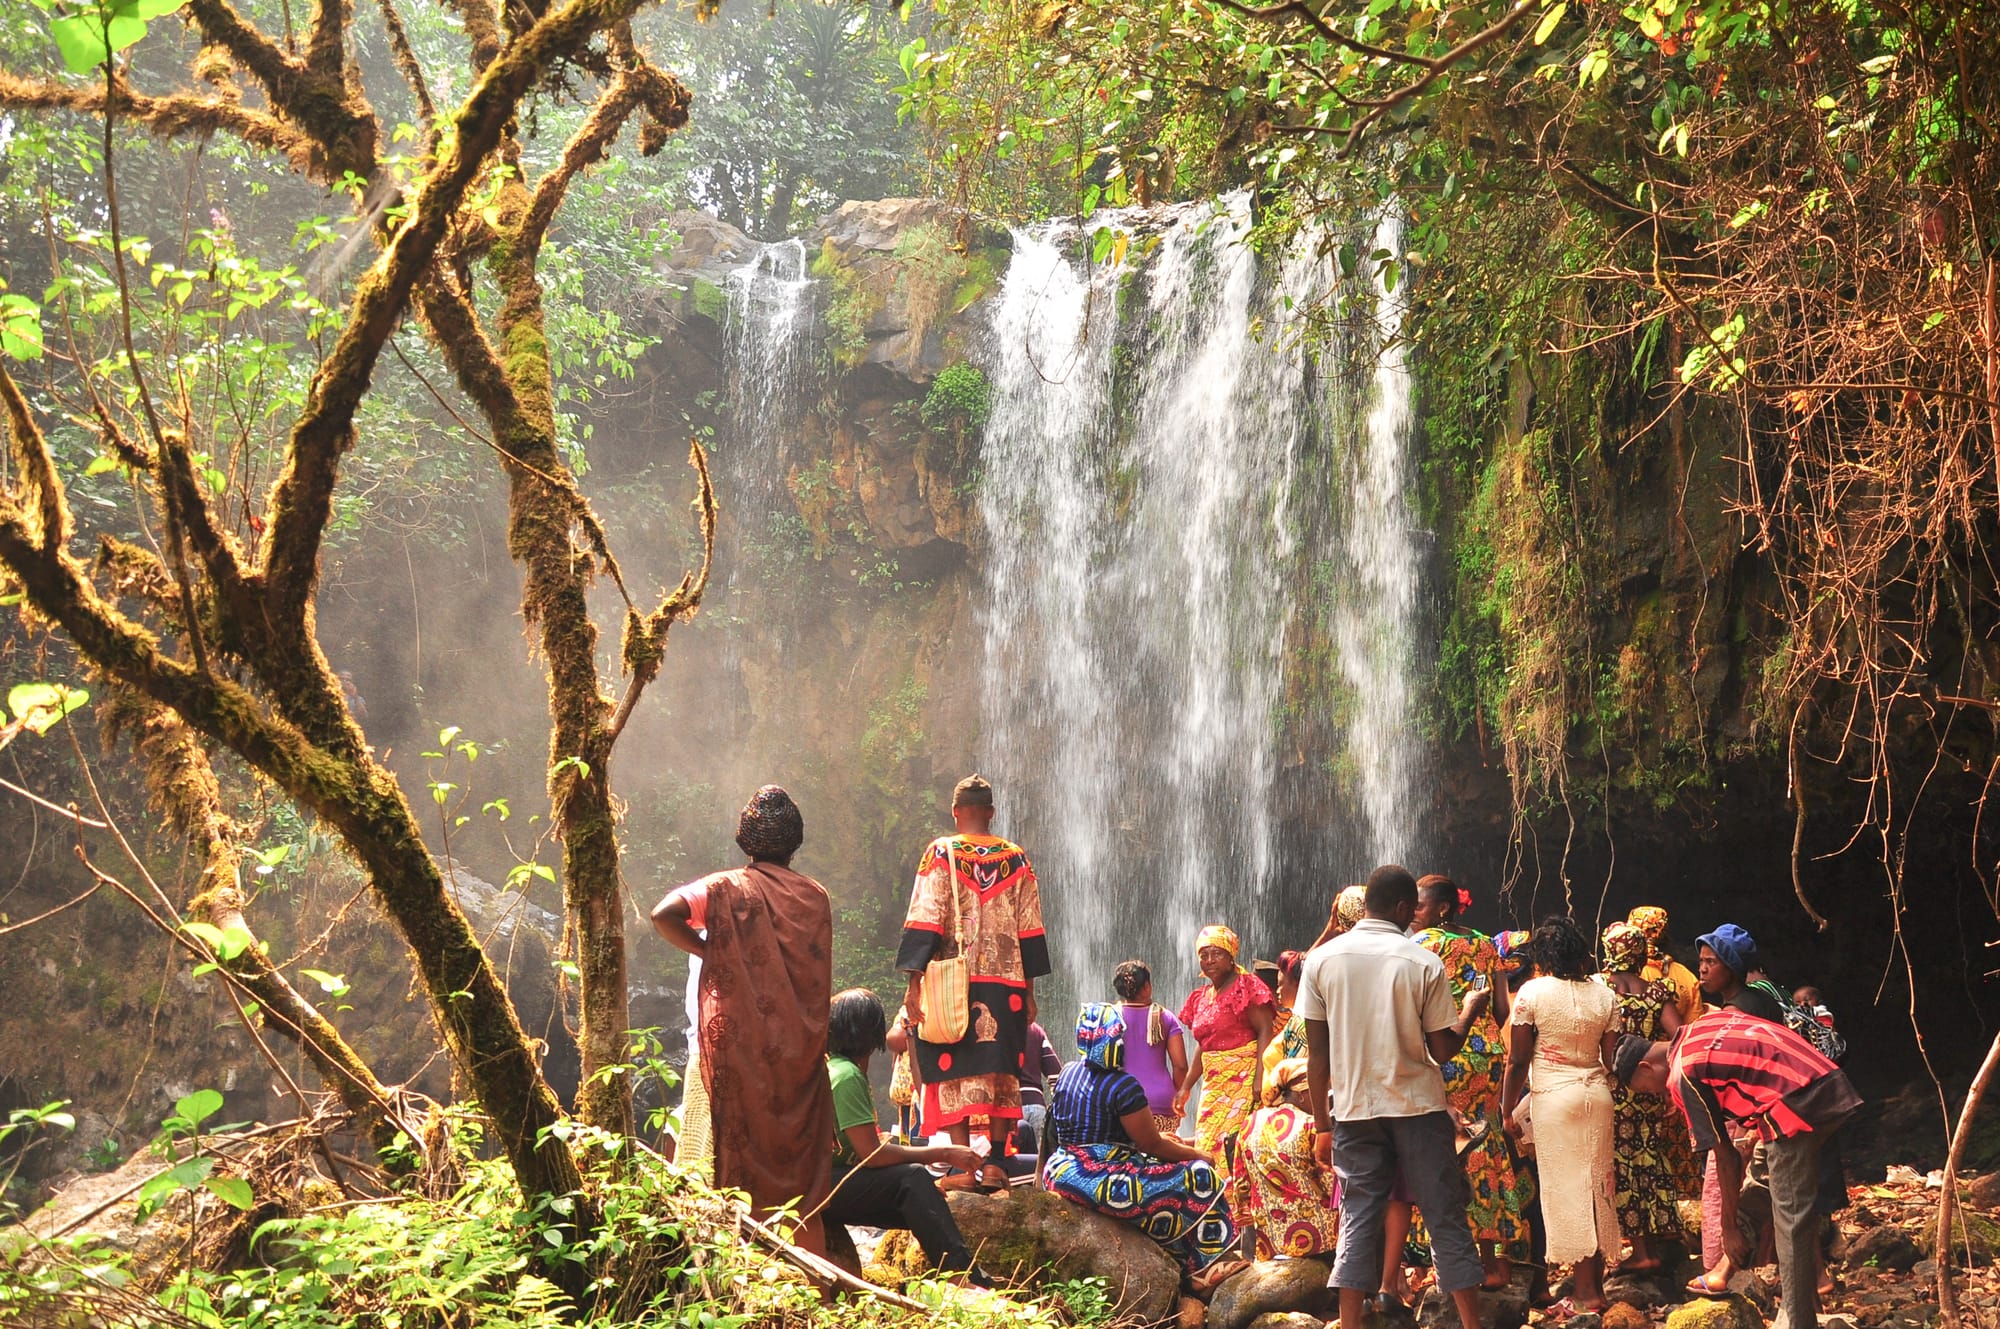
(1729, 1066)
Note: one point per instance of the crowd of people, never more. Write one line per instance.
(1406, 1083)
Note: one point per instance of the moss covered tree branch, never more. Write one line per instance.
(176, 115)
(301, 502)
(361, 800)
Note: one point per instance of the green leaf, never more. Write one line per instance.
(232, 1191)
(87, 41)
(146, 9)
(20, 327)
(99, 465)
(198, 1107)
(1549, 21)
(40, 706)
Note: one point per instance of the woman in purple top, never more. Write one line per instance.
(1155, 1053)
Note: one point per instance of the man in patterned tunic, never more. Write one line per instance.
(976, 894)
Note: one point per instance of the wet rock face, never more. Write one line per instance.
(1026, 1236)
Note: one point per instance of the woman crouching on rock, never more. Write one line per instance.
(1104, 1151)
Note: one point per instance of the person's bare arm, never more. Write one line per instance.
(1445, 1043)
(1519, 1054)
(868, 1146)
(1607, 1050)
(1184, 1089)
(1260, 1025)
(1177, 1057)
(1146, 1138)
(1503, 1005)
(913, 1001)
(670, 920)
(1670, 1020)
(1317, 1067)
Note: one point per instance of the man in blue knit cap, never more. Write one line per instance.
(1728, 954)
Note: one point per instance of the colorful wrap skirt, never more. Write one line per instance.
(1293, 1205)
(1227, 1079)
(1178, 1205)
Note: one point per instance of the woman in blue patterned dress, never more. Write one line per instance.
(1103, 1150)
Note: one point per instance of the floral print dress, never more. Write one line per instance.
(1650, 1140)
(1472, 1081)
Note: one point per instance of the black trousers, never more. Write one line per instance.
(901, 1196)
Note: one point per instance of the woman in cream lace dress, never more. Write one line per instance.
(1565, 1032)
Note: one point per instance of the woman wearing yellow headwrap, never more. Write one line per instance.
(1651, 920)
(1649, 1144)
(1230, 1017)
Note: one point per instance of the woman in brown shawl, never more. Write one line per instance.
(766, 982)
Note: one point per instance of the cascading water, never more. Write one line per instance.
(770, 358)
(1376, 621)
(1161, 448)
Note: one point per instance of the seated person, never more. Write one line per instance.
(1103, 1150)
(1290, 1201)
(877, 1183)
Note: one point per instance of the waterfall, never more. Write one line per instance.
(1376, 623)
(770, 357)
(1168, 481)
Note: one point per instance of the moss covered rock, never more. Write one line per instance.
(1731, 1312)
(1026, 1237)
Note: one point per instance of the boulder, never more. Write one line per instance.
(1647, 1291)
(1624, 1315)
(1287, 1320)
(1729, 1312)
(1754, 1288)
(1584, 1320)
(1884, 1248)
(1026, 1236)
(1506, 1308)
(1974, 1231)
(1272, 1287)
(1984, 1190)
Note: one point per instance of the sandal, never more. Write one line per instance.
(993, 1178)
(1569, 1308)
(959, 1181)
(1213, 1277)
(1702, 1285)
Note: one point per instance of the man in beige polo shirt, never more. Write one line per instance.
(1383, 1004)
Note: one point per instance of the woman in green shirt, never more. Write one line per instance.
(876, 1182)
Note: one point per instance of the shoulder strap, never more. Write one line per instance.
(951, 892)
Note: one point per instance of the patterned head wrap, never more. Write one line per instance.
(1650, 919)
(1513, 948)
(1351, 905)
(770, 828)
(1625, 947)
(1217, 935)
(1100, 1036)
(1288, 1076)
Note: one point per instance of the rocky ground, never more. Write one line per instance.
(1882, 1254)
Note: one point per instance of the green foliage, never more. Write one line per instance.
(851, 306)
(959, 400)
(797, 107)
(1083, 1301)
(661, 1249)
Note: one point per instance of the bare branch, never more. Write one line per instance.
(645, 641)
